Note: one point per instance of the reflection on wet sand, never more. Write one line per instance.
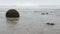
(12, 20)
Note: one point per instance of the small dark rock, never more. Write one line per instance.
(46, 13)
(12, 13)
(42, 13)
(50, 23)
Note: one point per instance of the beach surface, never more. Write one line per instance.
(31, 22)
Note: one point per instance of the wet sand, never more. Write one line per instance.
(30, 22)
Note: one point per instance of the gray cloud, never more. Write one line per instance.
(29, 2)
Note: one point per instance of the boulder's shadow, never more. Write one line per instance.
(12, 20)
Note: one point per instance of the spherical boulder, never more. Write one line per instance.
(12, 13)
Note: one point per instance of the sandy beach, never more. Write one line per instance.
(31, 22)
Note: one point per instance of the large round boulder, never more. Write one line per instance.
(12, 13)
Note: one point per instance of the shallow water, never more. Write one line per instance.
(30, 22)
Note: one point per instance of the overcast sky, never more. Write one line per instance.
(29, 2)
